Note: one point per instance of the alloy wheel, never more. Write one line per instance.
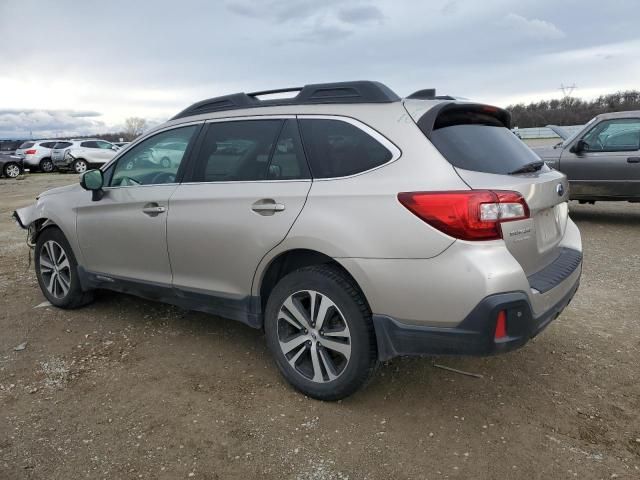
(12, 171)
(80, 166)
(314, 336)
(47, 166)
(55, 269)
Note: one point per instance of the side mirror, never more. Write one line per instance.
(580, 146)
(93, 181)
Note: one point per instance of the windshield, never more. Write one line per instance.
(578, 132)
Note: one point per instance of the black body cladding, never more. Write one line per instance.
(362, 91)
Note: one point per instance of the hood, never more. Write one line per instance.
(54, 191)
(561, 132)
(547, 152)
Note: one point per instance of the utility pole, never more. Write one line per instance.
(567, 90)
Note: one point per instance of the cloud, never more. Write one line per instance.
(534, 28)
(360, 14)
(18, 124)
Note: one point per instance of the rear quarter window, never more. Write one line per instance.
(475, 140)
(336, 148)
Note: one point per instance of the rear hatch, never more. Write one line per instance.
(478, 143)
(57, 153)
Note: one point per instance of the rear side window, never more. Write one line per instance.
(250, 150)
(338, 149)
(478, 141)
(48, 144)
(60, 145)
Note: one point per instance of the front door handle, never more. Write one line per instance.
(633, 160)
(153, 209)
(267, 206)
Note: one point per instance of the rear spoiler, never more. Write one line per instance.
(428, 122)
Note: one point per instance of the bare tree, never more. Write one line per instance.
(134, 126)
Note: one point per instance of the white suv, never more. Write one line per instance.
(79, 155)
(36, 154)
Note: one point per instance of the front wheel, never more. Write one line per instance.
(57, 270)
(11, 170)
(319, 330)
(80, 166)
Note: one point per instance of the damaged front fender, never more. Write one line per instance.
(31, 219)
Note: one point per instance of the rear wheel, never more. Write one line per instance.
(319, 330)
(11, 170)
(57, 271)
(80, 166)
(46, 165)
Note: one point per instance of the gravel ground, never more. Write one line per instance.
(126, 388)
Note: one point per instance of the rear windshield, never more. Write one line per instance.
(27, 145)
(60, 145)
(479, 142)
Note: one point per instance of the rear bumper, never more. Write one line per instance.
(475, 334)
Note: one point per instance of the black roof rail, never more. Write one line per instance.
(429, 94)
(362, 91)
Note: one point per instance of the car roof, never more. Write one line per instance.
(627, 114)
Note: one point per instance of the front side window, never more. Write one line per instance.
(104, 145)
(141, 165)
(89, 144)
(250, 150)
(338, 149)
(617, 135)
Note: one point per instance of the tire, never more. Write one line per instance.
(11, 170)
(165, 162)
(347, 327)
(57, 271)
(80, 166)
(46, 165)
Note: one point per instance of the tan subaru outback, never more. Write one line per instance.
(349, 224)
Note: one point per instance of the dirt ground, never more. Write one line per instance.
(126, 388)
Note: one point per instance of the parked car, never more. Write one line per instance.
(10, 165)
(79, 155)
(37, 154)
(602, 160)
(8, 147)
(166, 155)
(351, 225)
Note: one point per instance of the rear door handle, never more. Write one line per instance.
(153, 209)
(633, 160)
(267, 206)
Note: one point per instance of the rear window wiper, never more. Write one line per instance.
(529, 167)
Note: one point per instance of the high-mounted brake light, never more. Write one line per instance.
(467, 214)
(30, 152)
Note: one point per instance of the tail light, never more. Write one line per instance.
(467, 214)
(30, 152)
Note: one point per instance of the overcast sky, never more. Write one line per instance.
(72, 67)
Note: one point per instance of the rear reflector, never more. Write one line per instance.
(30, 152)
(501, 326)
(467, 214)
